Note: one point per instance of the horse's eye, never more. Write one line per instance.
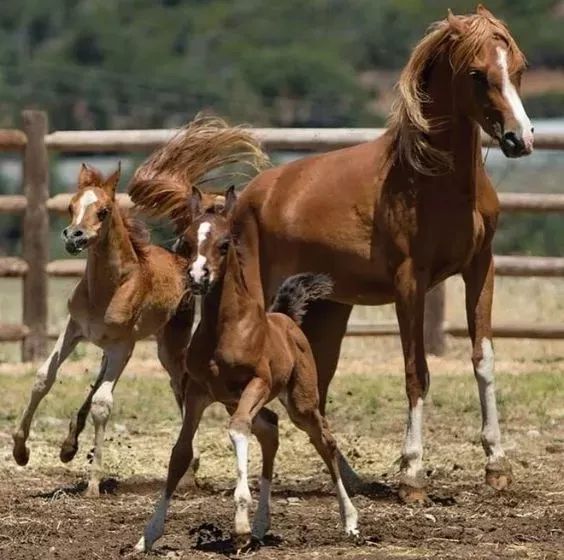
(479, 77)
(102, 213)
(223, 246)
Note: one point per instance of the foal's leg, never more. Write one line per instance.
(78, 421)
(172, 346)
(303, 411)
(265, 428)
(44, 380)
(325, 325)
(479, 278)
(102, 403)
(411, 285)
(180, 458)
(252, 400)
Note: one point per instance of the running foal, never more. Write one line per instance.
(245, 357)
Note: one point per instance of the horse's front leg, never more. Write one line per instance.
(411, 285)
(479, 279)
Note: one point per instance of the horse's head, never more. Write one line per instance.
(90, 209)
(206, 241)
(487, 66)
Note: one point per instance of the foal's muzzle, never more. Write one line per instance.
(75, 240)
(199, 285)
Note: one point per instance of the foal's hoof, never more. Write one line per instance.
(242, 543)
(412, 495)
(68, 451)
(20, 451)
(93, 490)
(355, 537)
(499, 474)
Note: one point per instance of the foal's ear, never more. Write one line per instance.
(457, 25)
(111, 183)
(89, 177)
(481, 10)
(196, 202)
(230, 200)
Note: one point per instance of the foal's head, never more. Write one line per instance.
(206, 241)
(90, 209)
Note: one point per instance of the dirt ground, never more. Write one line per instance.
(43, 515)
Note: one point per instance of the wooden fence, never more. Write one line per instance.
(35, 142)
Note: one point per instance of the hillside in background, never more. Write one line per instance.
(149, 63)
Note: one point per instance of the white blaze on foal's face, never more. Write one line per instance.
(86, 199)
(511, 97)
(198, 268)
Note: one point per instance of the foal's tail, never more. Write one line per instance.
(204, 149)
(296, 292)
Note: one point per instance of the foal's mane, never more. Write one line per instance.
(162, 185)
(407, 123)
(138, 232)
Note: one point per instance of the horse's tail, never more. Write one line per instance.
(204, 148)
(298, 291)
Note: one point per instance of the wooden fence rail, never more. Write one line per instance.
(34, 142)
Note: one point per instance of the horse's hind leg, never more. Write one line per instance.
(69, 447)
(411, 285)
(180, 458)
(102, 403)
(44, 380)
(325, 325)
(479, 279)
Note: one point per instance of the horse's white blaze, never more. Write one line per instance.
(88, 197)
(197, 270)
(514, 101)
(491, 436)
(242, 493)
(413, 445)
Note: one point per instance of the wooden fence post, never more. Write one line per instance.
(434, 320)
(35, 234)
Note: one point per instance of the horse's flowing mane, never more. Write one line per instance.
(407, 123)
(162, 185)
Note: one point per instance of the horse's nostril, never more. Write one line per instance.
(78, 233)
(66, 232)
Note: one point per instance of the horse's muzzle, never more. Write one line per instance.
(515, 146)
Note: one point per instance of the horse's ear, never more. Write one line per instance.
(111, 183)
(88, 177)
(196, 202)
(481, 10)
(456, 23)
(230, 199)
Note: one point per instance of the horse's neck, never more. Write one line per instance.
(230, 308)
(110, 261)
(456, 133)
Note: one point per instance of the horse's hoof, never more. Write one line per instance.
(409, 494)
(20, 451)
(141, 546)
(68, 451)
(499, 475)
(93, 490)
(355, 537)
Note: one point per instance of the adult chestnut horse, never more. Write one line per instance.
(389, 219)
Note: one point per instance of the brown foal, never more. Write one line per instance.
(130, 290)
(389, 219)
(244, 358)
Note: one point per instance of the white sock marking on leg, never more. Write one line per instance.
(412, 453)
(349, 515)
(242, 492)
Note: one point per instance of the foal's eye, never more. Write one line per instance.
(102, 213)
(479, 77)
(223, 246)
